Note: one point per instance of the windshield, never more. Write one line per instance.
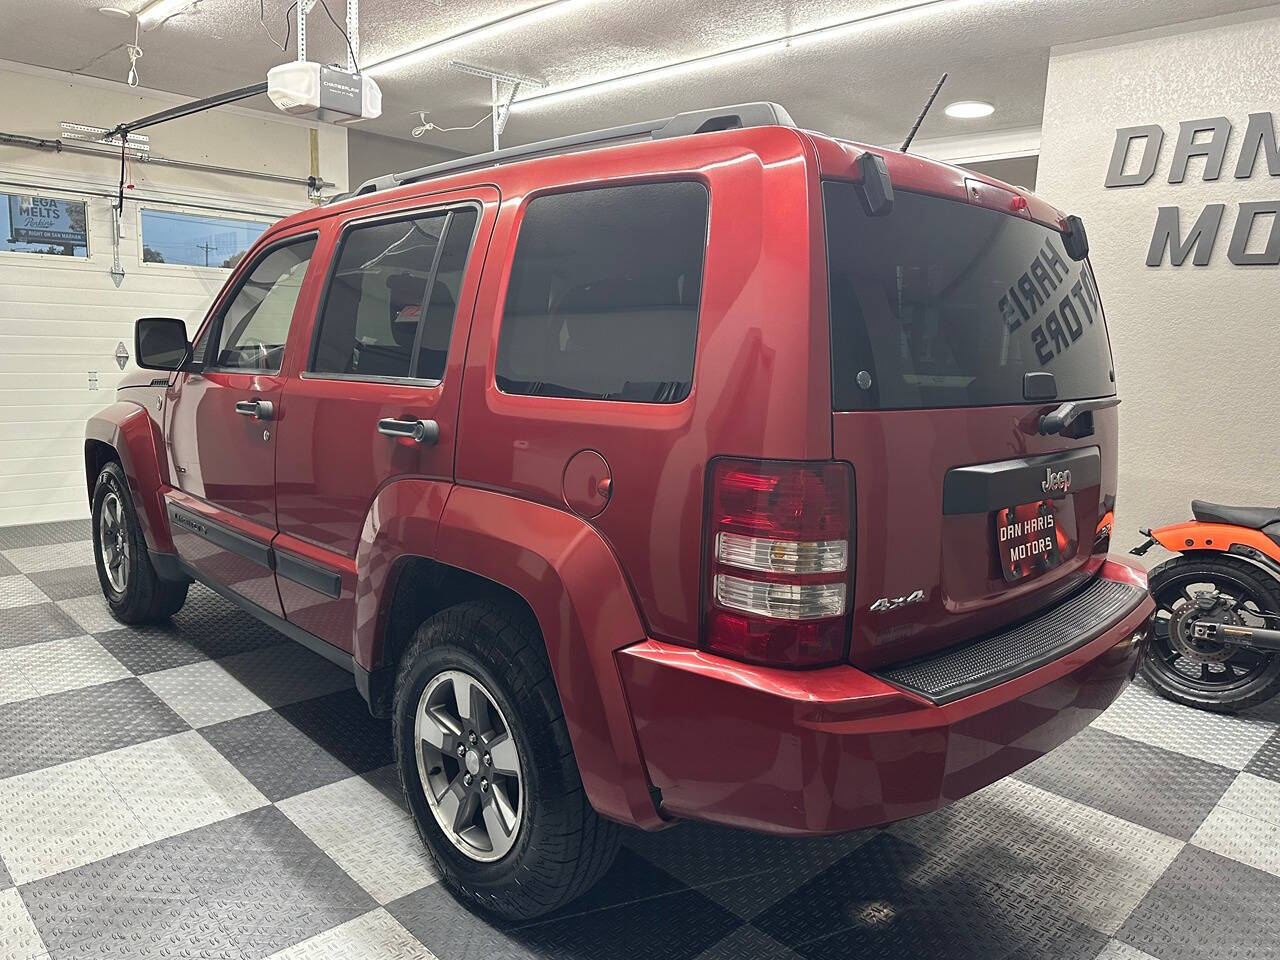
(941, 303)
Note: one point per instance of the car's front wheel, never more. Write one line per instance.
(487, 766)
(133, 590)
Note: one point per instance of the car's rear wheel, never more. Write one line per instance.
(487, 766)
(133, 590)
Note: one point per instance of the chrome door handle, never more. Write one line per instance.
(262, 409)
(419, 431)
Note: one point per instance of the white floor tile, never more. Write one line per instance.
(216, 690)
(1143, 715)
(62, 817)
(203, 693)
(1255, 797)
(1098, 867)
(374, 936)
(59, 665)
(18, 937)
(1115, 950)
(1245, 825)
(14, 686)
(178, 783)
(91, 613)
(18, 591)
(366, 834)
(58, 556)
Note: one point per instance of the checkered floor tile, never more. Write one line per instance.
(208, 789)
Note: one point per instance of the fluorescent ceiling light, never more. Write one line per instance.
(160, 10)
(969, 109)
(748, 51)
(481, 31)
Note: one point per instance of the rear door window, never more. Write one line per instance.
(941, 303)
(604, 291)
(373, 309)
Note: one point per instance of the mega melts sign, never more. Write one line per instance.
(1207, 138)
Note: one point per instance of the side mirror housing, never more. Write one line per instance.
(160, 343)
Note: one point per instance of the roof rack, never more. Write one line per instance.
(760, 114)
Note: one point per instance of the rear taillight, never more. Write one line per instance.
(779, 544)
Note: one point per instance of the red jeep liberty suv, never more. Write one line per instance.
(706, 469)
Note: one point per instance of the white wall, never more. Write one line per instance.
(60, 317)
(1196, 347)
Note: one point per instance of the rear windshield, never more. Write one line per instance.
(942, 303)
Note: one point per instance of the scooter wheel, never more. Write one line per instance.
(1220, 677)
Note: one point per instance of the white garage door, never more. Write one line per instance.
(62, 317)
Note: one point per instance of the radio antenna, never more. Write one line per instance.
(920, 119)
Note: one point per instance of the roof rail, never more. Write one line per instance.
(682, 124)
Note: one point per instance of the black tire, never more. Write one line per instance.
(1255, 675)
(142, 597)
(562, 847)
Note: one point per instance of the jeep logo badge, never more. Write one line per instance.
(1056, 482)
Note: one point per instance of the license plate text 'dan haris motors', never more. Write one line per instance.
(1031, 538)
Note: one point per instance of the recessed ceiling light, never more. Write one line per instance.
(969, 109)
(115, 12)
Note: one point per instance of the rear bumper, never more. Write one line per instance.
(827, 751)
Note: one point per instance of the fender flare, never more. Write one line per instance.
(571, 580)
(136, 439)
(1193, 536)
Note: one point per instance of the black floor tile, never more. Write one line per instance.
(80, 723)
(1166, 791)
(305, 745)
(742, 870)
(68, 584)
(7, 569)
(35, 624)
(1207, 906)
(242, 888)
(44, 534)
(887, 899)
(1266, 762)
(5, 880)
(637, 911)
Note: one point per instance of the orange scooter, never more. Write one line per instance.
(1216, 637)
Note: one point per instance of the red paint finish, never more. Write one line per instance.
(832, 750)
(906, 543)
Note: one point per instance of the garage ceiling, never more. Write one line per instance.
(866, 80)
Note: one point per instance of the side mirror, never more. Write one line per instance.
(160, 343)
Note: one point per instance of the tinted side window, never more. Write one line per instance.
(603, 299)
(255, 325)
(437, 326)
(376, 298)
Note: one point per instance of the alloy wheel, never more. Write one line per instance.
(1211, 668)
(113, 538)
(469, 765)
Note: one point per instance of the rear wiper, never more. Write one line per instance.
(1066, 414)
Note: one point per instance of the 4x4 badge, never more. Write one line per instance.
(893, 603)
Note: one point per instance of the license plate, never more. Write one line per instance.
(1032, 538)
